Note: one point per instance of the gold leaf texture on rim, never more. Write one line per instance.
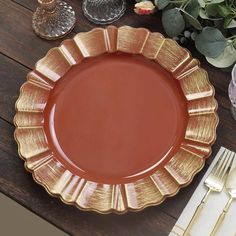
(118, 198)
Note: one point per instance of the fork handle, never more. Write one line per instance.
(221, 217)
(196, 213)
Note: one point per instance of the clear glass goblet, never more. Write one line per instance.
(232, 92)
(53, 19)
(103, 11)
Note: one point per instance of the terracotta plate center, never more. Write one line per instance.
(115, 118)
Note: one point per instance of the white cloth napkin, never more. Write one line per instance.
(212, 209)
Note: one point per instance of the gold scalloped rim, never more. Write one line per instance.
(119, 198)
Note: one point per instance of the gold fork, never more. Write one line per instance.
(214, 182)
(230, 187)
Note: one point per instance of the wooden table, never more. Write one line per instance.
(20, 48)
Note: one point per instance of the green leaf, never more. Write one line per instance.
(173, 22)
(203, 15)
(161, 4)
(232, 24)
(191, 20)
(193, 8)
(210, 42)
(215, 1)
(229, 22)
(223, 10)
(211, 9)
(225, 59)
(202, 3)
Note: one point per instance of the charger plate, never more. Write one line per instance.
(115, 119)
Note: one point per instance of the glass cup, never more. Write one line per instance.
(232, 92)
(103, 11)
(53, 19)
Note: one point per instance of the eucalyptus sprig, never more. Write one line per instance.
(210, 23)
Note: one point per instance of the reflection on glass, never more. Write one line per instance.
(232, 92)
(53, 19)
(103, 11)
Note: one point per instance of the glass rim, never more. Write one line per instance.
(233, 74)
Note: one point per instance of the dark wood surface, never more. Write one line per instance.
(20, 48)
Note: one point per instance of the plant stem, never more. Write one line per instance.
(186, 4)
(231, 40)
(183, 5)
(232, 37)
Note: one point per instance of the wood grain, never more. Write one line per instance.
(17, 39)
(20, 48)
(14, 76)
